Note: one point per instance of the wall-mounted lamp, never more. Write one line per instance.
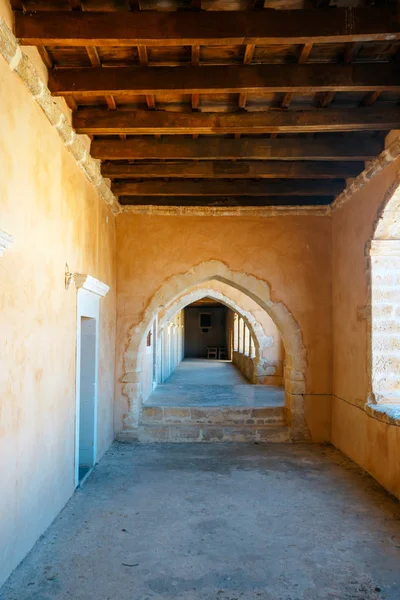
(69, 277)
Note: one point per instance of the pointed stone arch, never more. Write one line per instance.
(256, 289)
(259, 338)
(258, 334)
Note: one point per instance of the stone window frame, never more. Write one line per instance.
(382, 273)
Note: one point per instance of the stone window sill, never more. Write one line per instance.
(387, 413)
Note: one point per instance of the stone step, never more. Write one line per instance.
(210, 415)
(207, 433)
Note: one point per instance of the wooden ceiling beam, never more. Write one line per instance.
(111, 103)
(248, 54)
(227, 201)
(152, 28)
(45, 56)
(219, 187)
(306, 78)
(207, 169)
(304, 54)
(96, 121)
(17, 5)
(75, 4)
(93, 56)
(350, 54)
(370, 98)
(213, 148)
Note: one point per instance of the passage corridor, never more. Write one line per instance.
(202, 382)
(219, 522)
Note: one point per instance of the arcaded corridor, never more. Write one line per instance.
(199, 245)
(219, 522)
(202, 382)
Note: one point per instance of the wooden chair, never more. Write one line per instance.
(222, 353)
(212, 352)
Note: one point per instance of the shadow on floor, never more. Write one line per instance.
(219, 522)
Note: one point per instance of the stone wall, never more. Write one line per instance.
(367, 434)
(385, 321)
(55, 216)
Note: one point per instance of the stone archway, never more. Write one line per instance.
(259, 337)
(259, 291)
(384, 302)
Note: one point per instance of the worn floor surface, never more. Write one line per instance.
(202, 382)
(220, 522)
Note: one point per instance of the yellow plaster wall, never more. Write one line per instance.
(31, 51)
(291, 253)
(55, 216)
(369, 442)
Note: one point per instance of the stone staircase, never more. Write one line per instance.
(210, 424)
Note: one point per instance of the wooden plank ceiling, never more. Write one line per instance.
(223, 102)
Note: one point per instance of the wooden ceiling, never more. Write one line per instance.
(223, 102)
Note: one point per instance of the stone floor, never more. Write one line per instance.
(219, 522)
(202, 382)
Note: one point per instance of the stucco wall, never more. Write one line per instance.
(291, 253)
(56, 217)
(371, 443)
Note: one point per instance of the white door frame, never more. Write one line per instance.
(89, 293)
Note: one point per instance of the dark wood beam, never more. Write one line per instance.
(93, 56)
(256, 4)
(304, 54)
(370, 98)
(45, 56)
(154, 28)
(306, 78)
(207, 169)
(227, 201)
(219, 187)
(101, 122)
(17, 5)
(213, 148)
(75, 4)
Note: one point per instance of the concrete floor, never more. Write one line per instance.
(219, 522)
(201, 371)
(202, 382)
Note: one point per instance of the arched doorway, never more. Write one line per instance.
(255, 290)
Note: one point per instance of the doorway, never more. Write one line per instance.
(87, 397)
(87, 352)
(206, 333)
